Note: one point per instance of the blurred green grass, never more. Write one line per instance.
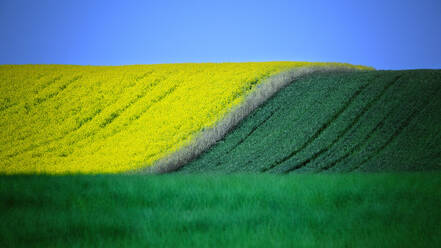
(218, 210)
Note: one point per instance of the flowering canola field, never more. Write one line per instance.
(59, 119)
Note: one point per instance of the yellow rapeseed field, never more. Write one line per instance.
(60, 119)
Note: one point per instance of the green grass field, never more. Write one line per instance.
(339, 122)
(378, 131)
(322, 210)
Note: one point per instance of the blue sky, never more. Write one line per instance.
(384, 34)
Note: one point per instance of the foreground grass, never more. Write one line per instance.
(332, 210)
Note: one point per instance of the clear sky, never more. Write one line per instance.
(388, 34)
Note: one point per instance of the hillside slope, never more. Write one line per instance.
(108, 119)
(341, 122)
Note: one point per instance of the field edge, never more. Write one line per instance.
(263, 92)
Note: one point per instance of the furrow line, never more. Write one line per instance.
(34, 146)
(249, 134)
(320, 130)
(40, 100)
(349, 127)
(358, 146)
(46, 84)
(81, 123)
(7, 106)
(252, 131)
(397, 132)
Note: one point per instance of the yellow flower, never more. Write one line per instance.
(108, 119)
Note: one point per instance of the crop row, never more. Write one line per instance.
(109, 119)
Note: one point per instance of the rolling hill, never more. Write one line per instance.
(340, 122)
(60, 119)
(305, 119)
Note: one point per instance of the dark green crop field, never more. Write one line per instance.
(360, 121)
(255, 210)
